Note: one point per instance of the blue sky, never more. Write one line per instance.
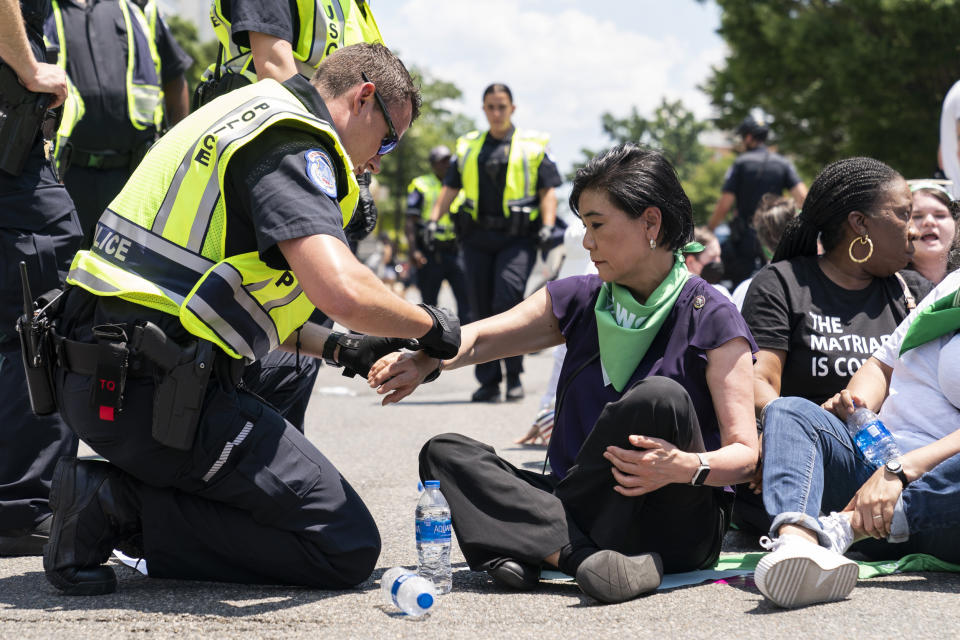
(566, 61)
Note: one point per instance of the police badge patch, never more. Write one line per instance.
(320, 171)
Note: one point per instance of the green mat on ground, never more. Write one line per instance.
(912, 562)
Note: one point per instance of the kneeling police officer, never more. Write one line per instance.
(226, 237)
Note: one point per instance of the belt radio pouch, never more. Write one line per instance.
(36, 349)
(110, 372)
(181, 385)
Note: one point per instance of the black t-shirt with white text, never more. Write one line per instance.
(827, 331)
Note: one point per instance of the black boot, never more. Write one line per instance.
(514, 574)
(25, 542)
(486, 393)
(95, 508)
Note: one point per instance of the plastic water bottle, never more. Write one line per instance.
(871, 437)
(433, 537)
(409, 592)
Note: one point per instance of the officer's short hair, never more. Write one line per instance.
(340, 71)
(634, 178)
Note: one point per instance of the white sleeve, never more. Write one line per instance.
(948, 137)
(890, 351)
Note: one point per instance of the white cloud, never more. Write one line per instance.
(565, 66)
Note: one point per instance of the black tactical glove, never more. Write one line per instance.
(364, 219)
(443, 340)
(544, 237)
(358, 352)
(428, 234)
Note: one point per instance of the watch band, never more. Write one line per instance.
(329, 346)
(896, 469)
(700, 475)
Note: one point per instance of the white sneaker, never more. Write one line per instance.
(838, 529)
(798, 572)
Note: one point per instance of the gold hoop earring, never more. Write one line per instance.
(864, 239)
(653, 243)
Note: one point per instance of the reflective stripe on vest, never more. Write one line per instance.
(527, 150)
(429, 187)
(161, 241)
(144, 95)
(73, 107)
(325, 26)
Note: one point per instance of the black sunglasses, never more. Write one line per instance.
(389, 142)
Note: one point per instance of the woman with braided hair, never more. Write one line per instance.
(818, 318)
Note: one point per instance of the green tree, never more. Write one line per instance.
(436, 125)
(841, 77)
(187, 36)
(675, 132)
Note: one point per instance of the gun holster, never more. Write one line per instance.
(181, 384)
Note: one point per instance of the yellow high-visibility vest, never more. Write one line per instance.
(527, 150)
(325, 26)
(429, 187)
(161, 241)
(144, 93)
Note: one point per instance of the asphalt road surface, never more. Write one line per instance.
(376, 449)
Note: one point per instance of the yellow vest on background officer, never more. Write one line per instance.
(127, 81)
(527, 151)
(433, 247)
(142, 79)
(324, 27)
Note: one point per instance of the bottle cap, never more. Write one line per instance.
(424, 600)
(432, 484)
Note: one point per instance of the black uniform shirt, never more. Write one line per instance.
(97, 64)
(34, 12)
(492, 175)
(277, 18)
(755, 173)
(270, 198)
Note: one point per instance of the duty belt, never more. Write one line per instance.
(105, 160)
(81, 358)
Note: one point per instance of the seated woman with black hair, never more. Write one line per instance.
(654, 412)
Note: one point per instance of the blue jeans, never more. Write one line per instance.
(811, 466)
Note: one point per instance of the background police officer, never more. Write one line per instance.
(434, 248)
(247, 498)
(39, 226)
(278, 38)
(123, 91)
(755, 172)
(509, 208)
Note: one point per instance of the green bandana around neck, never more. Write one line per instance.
(626, 328)
(939, 319)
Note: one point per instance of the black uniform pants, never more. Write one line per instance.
(498, 265)
(38, 225)
(253, 501)
(92, 191)
(500, 511)
(445, 264)
(275, 379)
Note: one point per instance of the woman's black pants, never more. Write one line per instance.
(501, 511)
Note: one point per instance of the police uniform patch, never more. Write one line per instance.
(320, 171)
(698, 302)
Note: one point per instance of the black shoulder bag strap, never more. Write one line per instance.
(559, 402)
